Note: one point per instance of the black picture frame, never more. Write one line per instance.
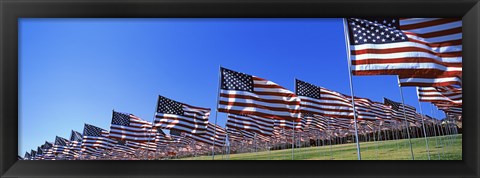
(11, 10)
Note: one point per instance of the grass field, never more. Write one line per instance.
(449, 148)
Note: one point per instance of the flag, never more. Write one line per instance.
(61, 146)
(314, 122)
(175, 115)
(422, 51)
(363, 107)
(33, 154)
(129, 127)
(27, 156)
(39, 154)
(446, 94)
(255, 124)
(245, 94)
(322, 101)
(76, 142)
(289, 125)
(213, 131)
(95, 138)
(398, 110)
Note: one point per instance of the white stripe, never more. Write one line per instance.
(417, 66)
(442, 49)
(405, 55)
(436, 28)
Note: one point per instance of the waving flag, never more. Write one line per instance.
(27, 156)
(175, 115)
(95, 138)
(76, 142)
(398, 110)
(315, 122)
(321, 101)
(213, 131)
(131, 128)
(446, 94)
(245, 94)
(289, 125)
(255, 124)
(422, 51)
(39, 154)
(61, 146)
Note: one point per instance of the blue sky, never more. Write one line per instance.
(75, 71)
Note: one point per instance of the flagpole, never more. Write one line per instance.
(293, 138)
(216, 114)
(347, 45)
(405, 118)
(423, 124)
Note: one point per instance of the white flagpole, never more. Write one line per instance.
(347, 45)
(423, 124)
(293, 137)
(216, 114)
(405, 118)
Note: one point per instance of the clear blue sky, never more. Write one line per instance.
(75, 71)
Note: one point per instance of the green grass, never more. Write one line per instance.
(449, 148)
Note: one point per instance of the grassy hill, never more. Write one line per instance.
(449, 148)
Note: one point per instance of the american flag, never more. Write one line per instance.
(256, 124)
(76, 142)
(175, 115)
(213, 131)
(445, 94)
(39, 153)
(95, 138)
(398, 110)
(129, 127)
(61, 146)
(33, 154)
(340, 123)
(315, 122)
(27, 156)
(47, 148)
(245, 94)
(321, 101)
(289, 125)
(422, 51)
(363, 107)
(381, 111)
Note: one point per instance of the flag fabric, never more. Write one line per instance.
(175, 115)
(33, 154)
(422, 51)
(95, 138)
(398, 110)
(213, 131)
(61, 146)
(322, 101)
(76, 142)
(255, 124)
(363, 107)
(446, 94)
(129, 127)
(289, 125)
(27, 156)
(314, 122)
(381, 111)
(244, 94)
(39, 153)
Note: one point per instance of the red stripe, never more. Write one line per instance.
(429, 23)
(259, 114)
(240, 96)
(294, 111)
(409, 73)
(437, 33)
(404, 49)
